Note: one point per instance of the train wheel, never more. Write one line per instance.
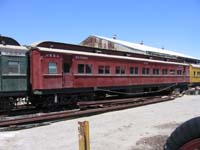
(6, 104)
(185, 137)
(50, 103)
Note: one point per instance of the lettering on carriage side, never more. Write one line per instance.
(81, 57)
(9, 53)
(52, 55)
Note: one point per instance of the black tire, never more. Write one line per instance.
(186, 132)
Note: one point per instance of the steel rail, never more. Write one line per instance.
(77, 113)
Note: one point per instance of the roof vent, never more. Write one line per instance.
(141, 43)
(114, 36)
(127, 54)
(97, 51)
(3, 42)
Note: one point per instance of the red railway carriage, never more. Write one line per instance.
(58, 72)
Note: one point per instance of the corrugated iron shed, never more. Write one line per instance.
(119, 45)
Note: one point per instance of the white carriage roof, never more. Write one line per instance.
(105, 55)
(144, 47)
(12, 47)
(11, 50)
(37, 43)
(195, 65)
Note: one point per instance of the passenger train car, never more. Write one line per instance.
(59, 72)
(13, 72)
(51, 73)
(194, 74)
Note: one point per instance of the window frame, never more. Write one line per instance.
(49, 68)
(86, 69)
(117, 70)
(101, 69)
(156, 71)
(198, 73)
(81, 68)
(164, 71)
(123, 70)
(68, 69)
(107, 69)
(172, 72)
(179, 72)
(120, 70)
(10, 67)
(133, 70)
(194, 73)
(145, 71)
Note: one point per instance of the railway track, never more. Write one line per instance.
(95, 104)
(20, 110)
(96, 107)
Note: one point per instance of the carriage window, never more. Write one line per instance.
(104, 70)
(123, 70)
(13, 67)
(117, 70)
(179, 72)
(156, 71)
(52, 68)
(107, 69)
(81, 68)
(194, 73)
(66, 67)
(84, 68)
(164, 71)
(101, 70)
(88, 69)
(172, 72)
(133, 70)
(120, 70)
(145, 71)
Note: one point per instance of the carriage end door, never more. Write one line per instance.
(67, 71)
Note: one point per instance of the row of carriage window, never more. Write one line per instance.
(14, 68)
(119, 70)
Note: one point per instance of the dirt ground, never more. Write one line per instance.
(141, 128)
(154, 142)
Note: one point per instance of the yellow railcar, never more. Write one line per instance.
(195, 74)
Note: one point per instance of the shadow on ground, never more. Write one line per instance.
(154, 142)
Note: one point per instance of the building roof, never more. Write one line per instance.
(144, 48)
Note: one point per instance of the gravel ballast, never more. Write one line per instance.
(139, 128)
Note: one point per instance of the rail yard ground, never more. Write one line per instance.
(145, 127)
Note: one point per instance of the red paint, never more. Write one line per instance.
(40, 78)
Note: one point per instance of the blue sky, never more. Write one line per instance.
(172, 24)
